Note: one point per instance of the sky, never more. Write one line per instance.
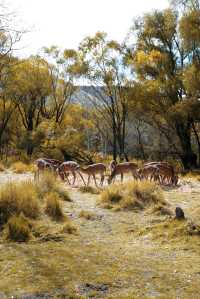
(66, 22)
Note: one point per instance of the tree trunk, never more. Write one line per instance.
(188, 157)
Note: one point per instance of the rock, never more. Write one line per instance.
(179, 213)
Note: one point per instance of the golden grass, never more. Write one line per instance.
(69, 228)
(87, 215)
(18, 229)
(2, 167)
(20, 167)
(53, 207)
(17, 198)
(89, 189)
(132, 195)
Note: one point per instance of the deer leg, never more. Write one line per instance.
(122, 176)
(102, 179)
(74, 176)
(94, 179)
(81, 177)
(88, 182)
(66, 176)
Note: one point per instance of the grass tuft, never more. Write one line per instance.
(53, 206)
(133, 195)
(18, 198)
(69, 228)
(89, 189)
(87, 215)
(18, 229)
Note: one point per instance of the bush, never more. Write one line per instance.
(20, 167)
(18, 229)
(18, 198)
(133, 195)
(53, 207)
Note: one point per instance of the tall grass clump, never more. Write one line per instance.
(53, 206)
(132, 195)
(18, 198)
(18, 229)
(46, 183)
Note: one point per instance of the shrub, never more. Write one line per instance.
(18, 229)
(88, 189)
(132, 195)
(53, 207)
(17, 198)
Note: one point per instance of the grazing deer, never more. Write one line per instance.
(148, 172)
(69, 167)
(121, 168)
(94, 169)
(165, 171)
(42, 164)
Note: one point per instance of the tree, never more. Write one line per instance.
(103, 65)
(30, 88)
(161, 63)
(61, 76)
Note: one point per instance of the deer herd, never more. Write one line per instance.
(161, 172)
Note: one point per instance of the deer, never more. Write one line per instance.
(92, 170)
(148, 172)
(121, 168)
(69, 167)
(162, 171)
(42, 164)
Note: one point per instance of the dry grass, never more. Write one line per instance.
(2, 167)
(69, 228)
(132, 195)
(18, 198)
(89, 189)
(20, 167)
(87, 215)
(63, 193)
(48, 183)
(53, 206)
(18, 229)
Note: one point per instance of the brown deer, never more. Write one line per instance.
(162, 171)
(92, 170)
(121, 168)
(148, 172)
(42, 164)
(69, 167)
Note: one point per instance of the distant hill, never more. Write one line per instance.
(84, 94)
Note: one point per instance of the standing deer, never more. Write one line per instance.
(69, 167)
(94, 169)
(122, 168)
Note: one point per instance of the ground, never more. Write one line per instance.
(121, 255)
